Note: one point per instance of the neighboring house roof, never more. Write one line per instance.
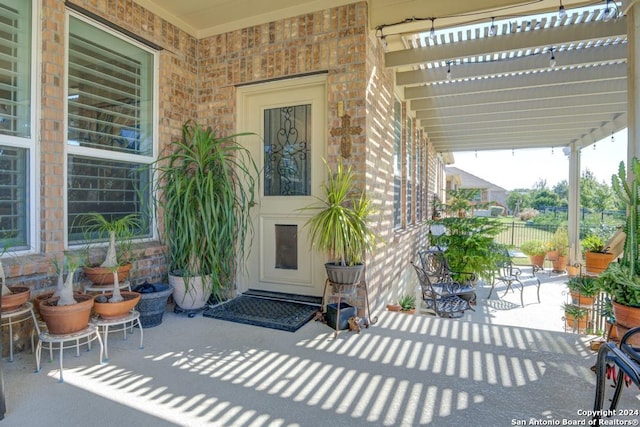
(495, 193)
(471, 181)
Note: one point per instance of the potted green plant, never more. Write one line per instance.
(407, 303)
(621, 280)
(596, 254)
(470, 248)
(558, 248)
(340, 225)
(119, 232)
(66, 312)
(576, 316)
(583, 289)
(206, 187)
(535, 250)
(12, 296)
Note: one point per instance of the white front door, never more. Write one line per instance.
(290, 119)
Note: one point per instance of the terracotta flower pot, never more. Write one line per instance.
(537, 260)
(578, 298)
(19, 295)
(560, 263)
(104, 276)
(576, 324)
(394, 307)
(66, 319)
(113, 310)
(626, 316)
(596, 262)
(45, 296)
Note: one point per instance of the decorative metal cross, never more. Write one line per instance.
(345, 131)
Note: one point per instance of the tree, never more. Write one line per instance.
(543, 198)
(562, 189)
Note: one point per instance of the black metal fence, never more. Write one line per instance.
(515, 233)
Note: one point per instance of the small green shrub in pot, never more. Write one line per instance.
(585, 285)
(575, 311)
(594, 243)
(407, 302)
(533, 248)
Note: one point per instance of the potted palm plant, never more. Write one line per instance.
(340, 226)
(118, 231)
(621, 280)
(205, 188)
(66, 312)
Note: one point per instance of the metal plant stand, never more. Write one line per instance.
(344, 291)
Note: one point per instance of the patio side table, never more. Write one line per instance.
(64, 341)
(13, 317)
(124, 323)
(125, 284)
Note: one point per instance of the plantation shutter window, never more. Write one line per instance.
(110, 132)
(16, 143)
(397, 164)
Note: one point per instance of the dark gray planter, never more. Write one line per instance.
(344, 275)
(153, 302)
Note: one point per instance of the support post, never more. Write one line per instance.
(574, 204)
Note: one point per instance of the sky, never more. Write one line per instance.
(523, 168)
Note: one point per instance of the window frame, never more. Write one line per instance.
(30, 144)
(110, 155)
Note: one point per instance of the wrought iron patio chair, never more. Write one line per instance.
(509, 274)
(621, 365)
(438, 299)
(434, 263)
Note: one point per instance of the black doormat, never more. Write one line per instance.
(266, 311)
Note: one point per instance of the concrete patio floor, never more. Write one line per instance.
(501, 365)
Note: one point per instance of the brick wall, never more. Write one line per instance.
(198, 79)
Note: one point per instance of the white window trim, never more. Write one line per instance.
(106, 154)
(32, 144)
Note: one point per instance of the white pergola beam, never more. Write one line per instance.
(605, 101)
(538, 62)
(551, 94)
(526, 40)
(540, 79)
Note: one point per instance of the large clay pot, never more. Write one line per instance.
(626, 318)
(104, 276)
(66, 319)
(597, 262)
(560, 263)
(114, 310)
(537, 260)
(193, 297)
(41, 297)
(18, 296)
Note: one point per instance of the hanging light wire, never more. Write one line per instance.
(562, 12)
(610, 12)
(493, 29)
(432, 32)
